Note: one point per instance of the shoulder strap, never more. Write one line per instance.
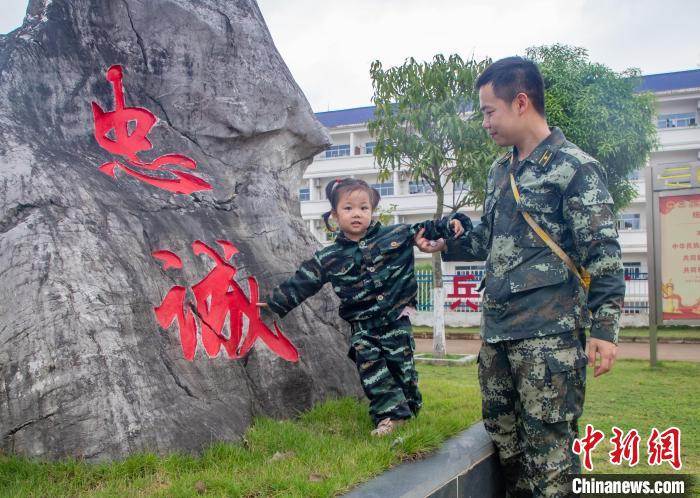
(585, 279)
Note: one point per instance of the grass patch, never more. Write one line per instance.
(448, 330)
(636, 396)
(324, 451)
(663, 332)
(692, 333)
(328, 450)
(445, 357)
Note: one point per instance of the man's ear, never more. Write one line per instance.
(521, 102)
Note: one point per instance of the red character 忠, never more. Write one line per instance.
(463, 287)
(626, 448)
(218, 296)
(129, 127)
(665, 447)
(587, 444)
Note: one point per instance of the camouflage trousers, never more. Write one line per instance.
(532, 396)
(384, 359)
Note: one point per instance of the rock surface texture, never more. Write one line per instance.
(85, 368)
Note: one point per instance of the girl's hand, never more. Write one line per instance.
(425, 245)
(457, 227)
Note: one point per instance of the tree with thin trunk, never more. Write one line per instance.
(601, 111)
(427, 123)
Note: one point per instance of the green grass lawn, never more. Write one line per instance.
(321, 453)
(328, 449)
(445, 357)
(448, 330)
(663, 332)
(635, 396)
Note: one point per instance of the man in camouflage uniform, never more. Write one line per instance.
(532, 363)
(375, 281)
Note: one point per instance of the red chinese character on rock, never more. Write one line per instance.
(217, 297)
(587, 444)
(626, 448)
(665, 447)
(464, 287)
(128, 127)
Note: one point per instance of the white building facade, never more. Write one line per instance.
(678, 104)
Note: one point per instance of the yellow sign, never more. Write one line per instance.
(679, 220)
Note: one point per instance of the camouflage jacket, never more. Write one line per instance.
(374, 277)
(528, 290)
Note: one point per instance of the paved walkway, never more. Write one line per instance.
(683, 352)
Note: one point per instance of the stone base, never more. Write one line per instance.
(466, 466)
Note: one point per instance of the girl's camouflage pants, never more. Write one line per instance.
(384, 359)
(532, 396)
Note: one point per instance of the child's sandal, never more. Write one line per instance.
(386, 426)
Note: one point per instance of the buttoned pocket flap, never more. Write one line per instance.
(570, 360)
(544, 272)
(565, 385)
(540, 202)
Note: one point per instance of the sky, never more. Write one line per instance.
(330, 44)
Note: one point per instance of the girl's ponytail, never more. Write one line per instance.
(325, 217)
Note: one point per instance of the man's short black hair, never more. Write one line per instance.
(514, 75)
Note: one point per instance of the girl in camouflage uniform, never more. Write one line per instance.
(371, 269)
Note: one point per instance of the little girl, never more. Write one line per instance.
(371, 270)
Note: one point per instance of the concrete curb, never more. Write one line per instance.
(465, 466)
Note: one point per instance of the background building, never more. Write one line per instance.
(678, 103)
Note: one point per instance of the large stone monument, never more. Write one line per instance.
(150, 155)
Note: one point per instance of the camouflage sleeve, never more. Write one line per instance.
(588, 212)
(471, 246)
(441, 229)
(306, 282)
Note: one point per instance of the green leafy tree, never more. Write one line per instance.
(424, 124)
(427, 122)
(385, 215)
(599, 110)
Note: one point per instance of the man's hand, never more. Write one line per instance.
(606, 351)
(425, 245)
(457, 227)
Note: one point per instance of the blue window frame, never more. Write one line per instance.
(420, 187)
(386, 188)
(678, 120)
(629, 221)
(632, 270)
(369, 147)
(338, 150)
(304, 194)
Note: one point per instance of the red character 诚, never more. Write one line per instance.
(587, 444)
(129, 127)
(217, 297)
